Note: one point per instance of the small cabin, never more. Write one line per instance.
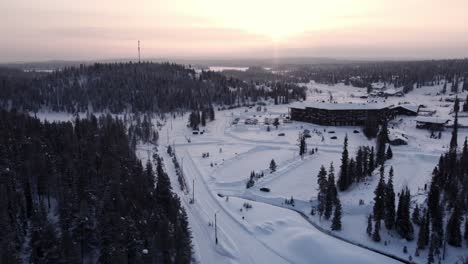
(431, 123)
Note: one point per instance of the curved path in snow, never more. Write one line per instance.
(236, 244)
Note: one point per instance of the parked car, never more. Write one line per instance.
(281, 134)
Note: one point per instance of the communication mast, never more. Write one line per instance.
(139, 58)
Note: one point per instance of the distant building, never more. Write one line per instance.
(348, 114)
(343, 114)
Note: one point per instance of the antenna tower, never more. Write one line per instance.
(139, 58)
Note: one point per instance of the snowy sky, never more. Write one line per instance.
(101, 29)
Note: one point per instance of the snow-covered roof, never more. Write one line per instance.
(410, 107)
(392, 91)
(431, 119)
(378, 85)
(394, 135)
(344, 106)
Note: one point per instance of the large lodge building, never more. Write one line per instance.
(348, 114)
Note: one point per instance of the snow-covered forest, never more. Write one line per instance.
(167, 163)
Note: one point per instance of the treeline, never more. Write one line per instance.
(442, 218)
(447, 200)
(133, 87)
(399, 73)
(76, 193)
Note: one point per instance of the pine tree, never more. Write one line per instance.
(272, 166)
(369, 226)
(389, 153)
(454, 236)
(343, 180)
(379, 199)
(322, 182)
(336, 221)
(389, 201)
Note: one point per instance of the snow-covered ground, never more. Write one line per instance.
(237, 149)
(272, 232)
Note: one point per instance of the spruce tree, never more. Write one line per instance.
(454, 236)
(466, 230)
(371, 165)
(359, 165)
(423, 236)
(453, 140)
(351, 172)
(302, 144)
(211, 113)
(163, 187)
(365, 162)
(430, 254)
(465, 105)
(389, 201)
(376, 234)
(272, 166)
(416, 216)
(343, 180)
(331, 192)
(369, 226)
(250, 183)
(336, 221)
(322, 182)
(379, 199)
(403, 223)
(389, 154)
(203, 118)
(382, 139)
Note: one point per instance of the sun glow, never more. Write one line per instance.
(279, 20)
